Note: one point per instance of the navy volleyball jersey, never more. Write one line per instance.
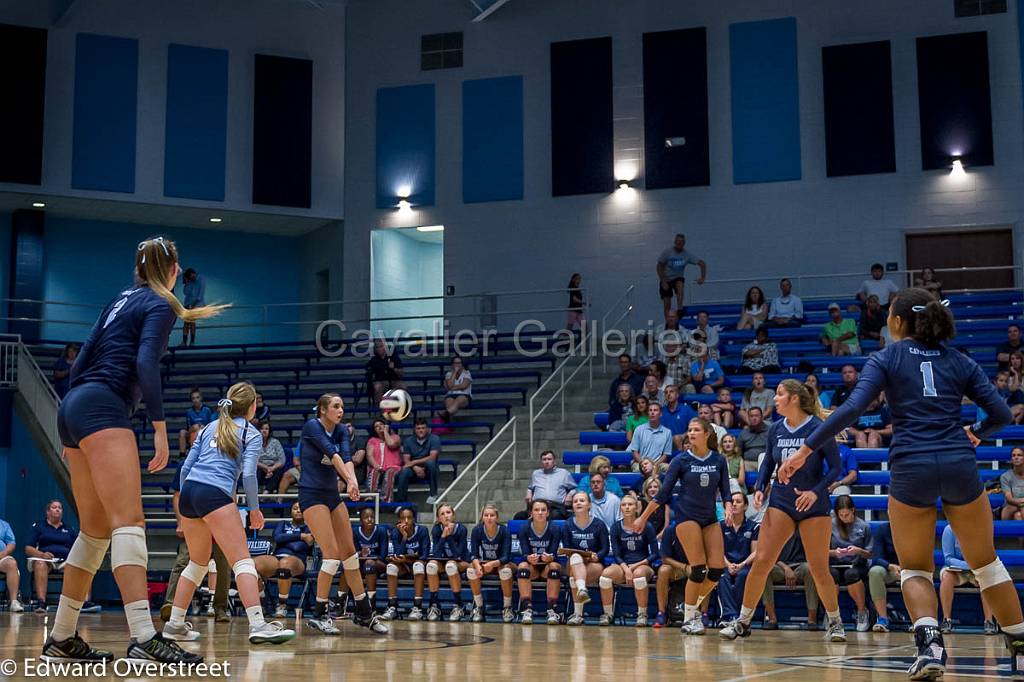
(632, 548)
(703, 480)
(316, 450)
(454, 546)
(375, 545)
(924, 388)
(546, 542)
(417, 544)
(288, 539)
(782, 442)
(593, 538)
(124, 348)
(487, 548)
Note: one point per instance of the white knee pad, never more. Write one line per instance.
(605, 583)
(906, 574)
(451, 568)
(245, 566)
(993, 574)
(392, 569)
(575, 559)
(419, 569)
(194, 572)
(505, 573)
(471, 573)
(351, 563)
(330, 566)
(87, 553)
(211, 566)
(128, 547)
(432, 568)
(640, 583)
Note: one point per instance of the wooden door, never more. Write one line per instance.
(966, 248)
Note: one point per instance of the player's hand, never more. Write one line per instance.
(790, 576)
(179, 532)
(793, 464)
(256, 520)
(758, 500)
(700, 280)
(159, 460)
(975, 441)
(532, 559)
(805, 500)
(627, 574)
(638, 526)
(353, 491)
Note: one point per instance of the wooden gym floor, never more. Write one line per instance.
(424, 652)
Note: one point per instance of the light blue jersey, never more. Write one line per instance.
(207, 464)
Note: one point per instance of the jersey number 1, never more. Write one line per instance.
(929, 380)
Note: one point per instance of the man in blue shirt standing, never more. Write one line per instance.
(196, 417)
(672, 272)
(9, 566)
(194, 290)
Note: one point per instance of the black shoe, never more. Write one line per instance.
(1015, 643)
(73, 650)
(931, 654)
(364, 616)
(39, 607)
(161, 650)
(770, 624)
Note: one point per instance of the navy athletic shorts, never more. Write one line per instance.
(668, 289)
(702, 521)
(311, 498)
(199, 499)
(918, 479)
(88, 408)
(784, 499)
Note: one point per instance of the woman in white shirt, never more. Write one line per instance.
(459, 384)
(755, 310)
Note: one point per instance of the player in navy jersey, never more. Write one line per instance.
(704, 475)
(798, 504)
(490, 548)
(119, 364)
(292, 541)
(371, 541)
(324, 454)
(634, 554)
(410, 546)
(450, 551)
(582, 531)
(932, 456)
(538, 544)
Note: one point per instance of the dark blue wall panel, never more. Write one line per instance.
(106, 87)
(405, 144)
(492, 139)
(23, 84)
(765, 101)
(27, 271)
(197, 122)
(282, 131)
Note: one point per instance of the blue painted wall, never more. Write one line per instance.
(765, 101)
(492, 139)
(90, 261)
(405, 144)
(106, 93)
(197, 122)
(405, 267)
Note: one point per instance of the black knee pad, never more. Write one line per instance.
(555, 574)
(715, 574)
(852, 576)
(283, 574)
(523, 573)
(698, 573)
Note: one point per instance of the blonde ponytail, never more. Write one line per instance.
(155, 259)
(239, 399)
(807, 395)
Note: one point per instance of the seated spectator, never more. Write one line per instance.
(759, 396)
(792, 569)
(552, 484)
(728, 448)
(672, 331)
(740, 536)
(357, 446)
(600, 465)
(291, 477)
(645, 351)
(409, 547)
(49, 543)
(677, 368)
(196, 417)
(884, 571)
(1014, 399)
(384, 370)
(1013, 345)
(926, 280)
(621, 408)
(634, 556)
(850, 555)
(62, 369)
(850, 376)
(708, 333)
(754, 311)
(371, 542)
(9, 566)
(651, 444)
(753, 440)
(707, 374)
(650, 488)
(639, 416)
(760, 355)
(873, 428)
(674, 568)
(1015, 372)
(262, 410)
(272, 460)
(786, 310)
(848, 475)
(957, 573)
(705, 412)
(872, 320)
(824, 396)
(384, 458)
(626, 375)
(459, 383)
(1011, 482)
(676, 415)
(723, 410)
(878, 286)
(839, 335)
(603, 504)
(292, 544)
(658, 370)
(652, 389)
(420, 452)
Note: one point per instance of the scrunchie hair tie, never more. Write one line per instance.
(158, 240)
(225, 402)
(920, 308)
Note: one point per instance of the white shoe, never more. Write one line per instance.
(434, 613)
(456, 614)
(272, 632)
(390, 613)
(694, 626)
(574, 620)
(553, 617)
(604, 619)
(431, 500)
(582, 596)
(526, 617)
(209, 610)
(281, 611)
(325, 625)
(863, 623)
(477, 616)
(507, 615)
(17, 606)
(415, 613)
(835, 632)
(180, 633)
(641, 620)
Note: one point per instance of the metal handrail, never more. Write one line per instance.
(475, 463)
(577, 351)
(475, 488)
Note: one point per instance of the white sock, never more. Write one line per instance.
(505, 601)
(359, 597)
(478, 599)
(832, 616)
(577, 608)
(372, 594)
(689, 611)
(926, 621)
(1013, 629)
(140, 621)
(255, 615)
(746, 615)
(177, 615)
(609, 609)
(66, 621)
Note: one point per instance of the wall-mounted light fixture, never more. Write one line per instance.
(38, 204)
(957, 168)
(623, 184)
(671, 142)
(215, 220)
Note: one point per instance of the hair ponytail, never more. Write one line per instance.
(239, 399)
(925, 318)
(155, 258)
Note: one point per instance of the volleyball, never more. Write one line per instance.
(396, 405)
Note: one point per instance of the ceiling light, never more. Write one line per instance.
(38, 204)
(215, 220)
(430, 228)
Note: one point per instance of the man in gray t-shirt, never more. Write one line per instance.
(672, 272)
(1012, 484)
